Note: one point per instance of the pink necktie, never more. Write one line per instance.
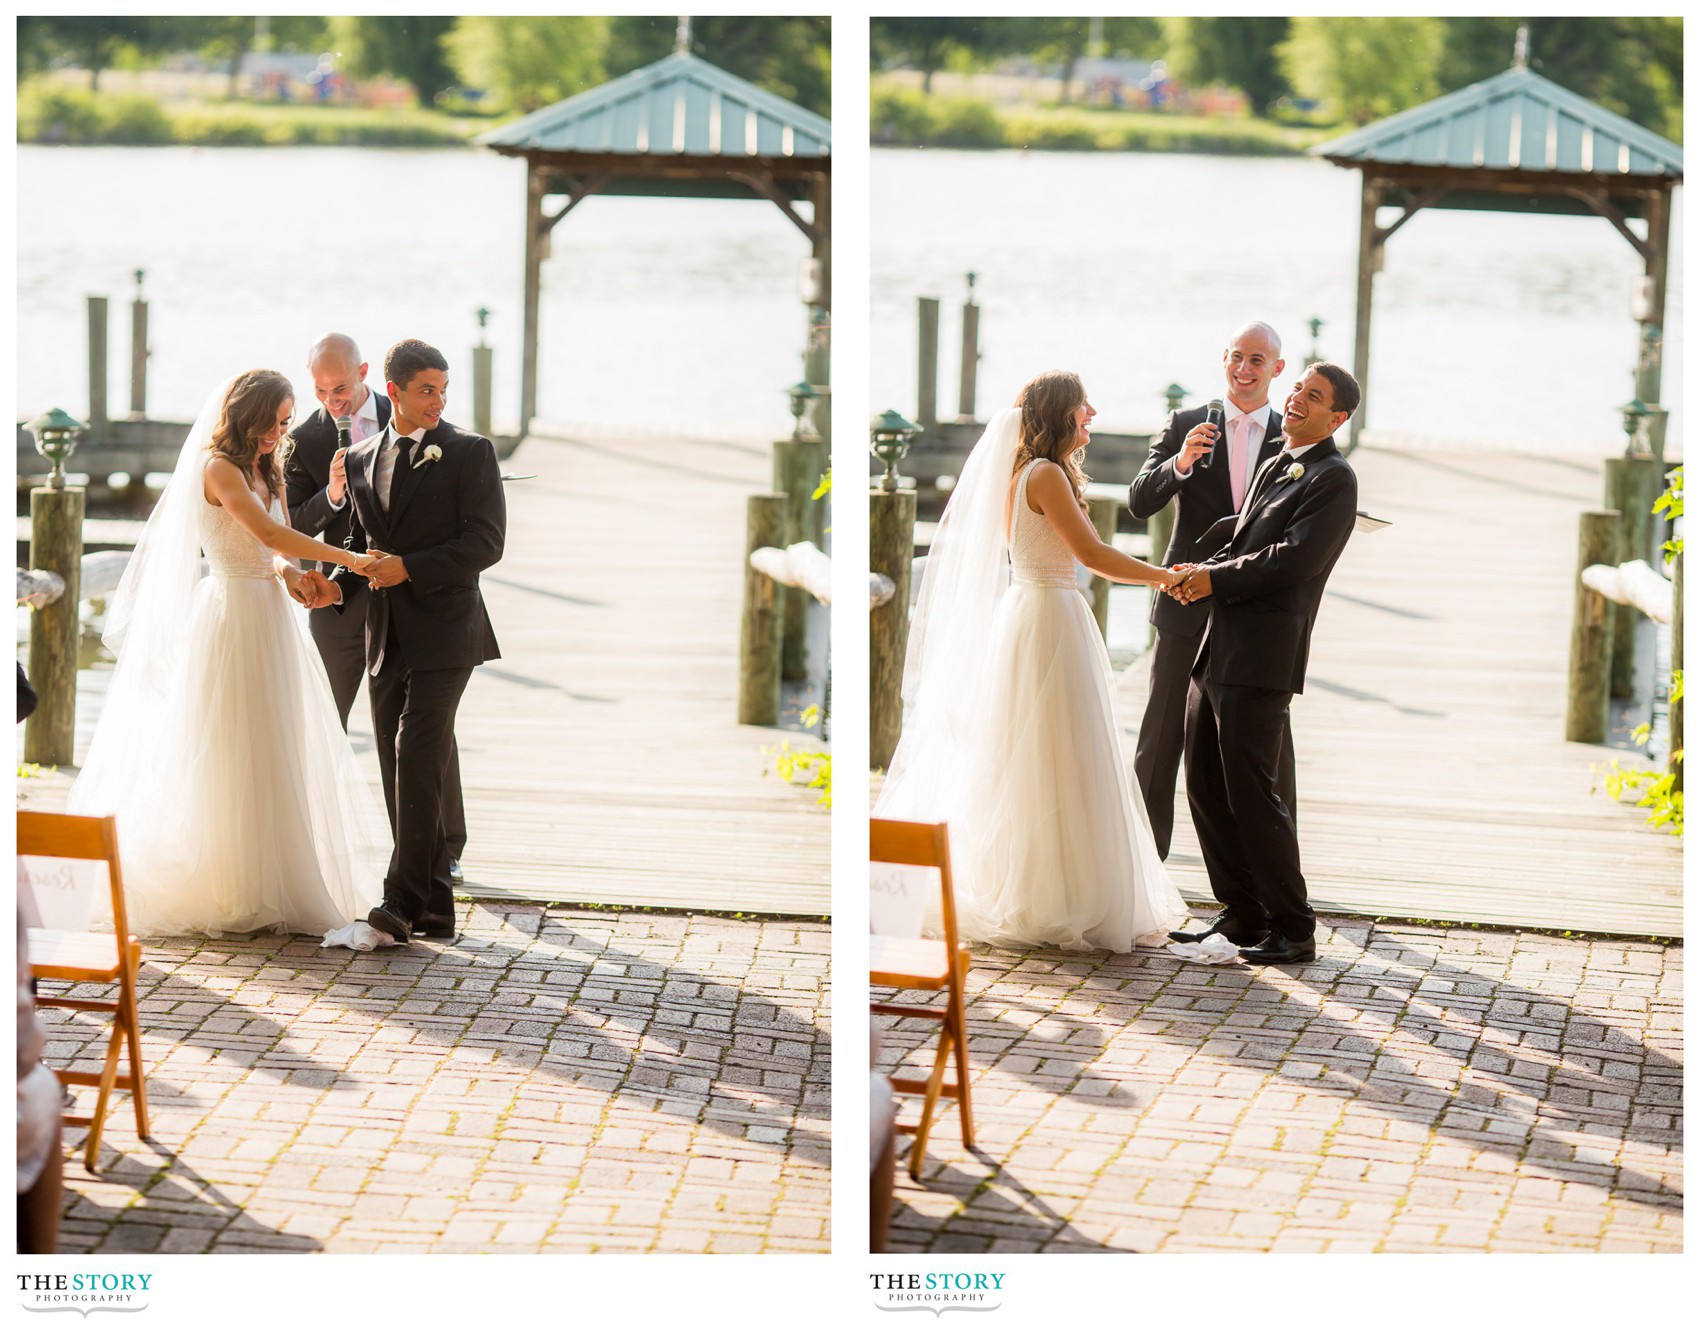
(1239, 460)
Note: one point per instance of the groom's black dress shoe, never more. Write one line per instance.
(391, 923)
(455, 873)
(1225, 926)
(436, 926)
(1281, 950)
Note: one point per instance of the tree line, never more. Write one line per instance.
(520, 63)
(1357, 69)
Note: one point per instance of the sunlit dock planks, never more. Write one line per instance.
(601, 755)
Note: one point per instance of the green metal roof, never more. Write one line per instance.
(680, 106)
(1515, 121)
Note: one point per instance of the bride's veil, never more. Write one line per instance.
(147, 623)
(966, 573)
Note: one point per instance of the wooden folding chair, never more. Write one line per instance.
(923, 964)
(85, 956)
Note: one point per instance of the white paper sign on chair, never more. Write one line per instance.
(64, 895)
(902, 901)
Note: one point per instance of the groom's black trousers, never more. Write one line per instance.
(1234, 737)
(341, 639)
(413, 719)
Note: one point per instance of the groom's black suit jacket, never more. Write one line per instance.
(307, 475)
(1266, 584)
(447, 520)
(1202, 498)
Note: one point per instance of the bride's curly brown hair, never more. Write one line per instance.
(1047, 405)
(248, 413)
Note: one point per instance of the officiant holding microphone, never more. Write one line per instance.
(1206, 468)
(316, 489)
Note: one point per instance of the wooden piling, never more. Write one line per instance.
(970, 360)
(1621, 497)
(483, 365)
(1675, 760)
(1103, 512)
(797, 467)
(1589, 704)
(138, 359)
(927, 370)
(891, 548)
(97, 366)
(759, 644)
(1159, 528)
(56, 545)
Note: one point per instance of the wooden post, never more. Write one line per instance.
(1160, 527)
(1675, 759)
(1589, 707)
(56, 545)
(759, 640)
(533, 293)
(483, 364)
(797, 468)
(891, 549)
(1620, 497)
(1369, 254)
(970, 359)
(1103, 512)
(1658, 269)
(927, 370)
(97, 367)
(138, 355)
(817, 361)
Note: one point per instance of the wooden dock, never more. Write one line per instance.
(1434, 779)
(601, 756)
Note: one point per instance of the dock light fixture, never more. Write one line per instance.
(55, 435)
(892, 434)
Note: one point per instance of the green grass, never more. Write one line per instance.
(55, 113)
(906, 117)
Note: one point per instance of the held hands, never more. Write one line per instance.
(314, 590)
(1198, 441)
(1192, 583)
(383, 570)
(338, 485)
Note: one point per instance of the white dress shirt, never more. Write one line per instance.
(389, 452)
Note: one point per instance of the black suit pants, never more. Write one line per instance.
(413, 717)
(341, 639)
(1162, 738)
(1234, 736)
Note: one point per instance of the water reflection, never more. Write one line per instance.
(1490, 328)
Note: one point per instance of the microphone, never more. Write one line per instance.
(1212, 416)
(343, 424)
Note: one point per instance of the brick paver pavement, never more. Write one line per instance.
(559, 1080)
(1414, 1089)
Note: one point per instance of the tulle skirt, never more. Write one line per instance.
(1049, 845)
(241, 806)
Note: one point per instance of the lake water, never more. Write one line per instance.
(659, 315)
(1490, 329)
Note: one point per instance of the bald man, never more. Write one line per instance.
(316, 489)
(1202, 496)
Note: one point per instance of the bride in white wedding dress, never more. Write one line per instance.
(1011, 735)
(240, 804)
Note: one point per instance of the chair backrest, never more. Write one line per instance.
(915, 844)
(82, 839)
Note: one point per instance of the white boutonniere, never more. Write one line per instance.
(1296, 470)
(435, 453)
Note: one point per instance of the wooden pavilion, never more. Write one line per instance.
(1515, 142)
(679, 128)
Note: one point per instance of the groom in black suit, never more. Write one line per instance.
(1203, 495)
(429, 496)
(316, 489)
(1264, 589)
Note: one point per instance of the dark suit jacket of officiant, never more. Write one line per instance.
(307, 477)
(1202, 497)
